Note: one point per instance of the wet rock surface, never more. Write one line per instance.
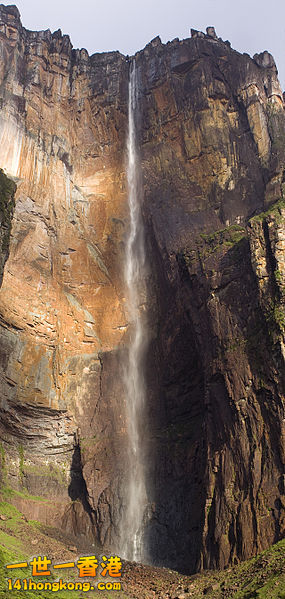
(212, 139)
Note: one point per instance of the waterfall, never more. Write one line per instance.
(135, 282)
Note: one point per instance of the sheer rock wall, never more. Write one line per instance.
(212, 139)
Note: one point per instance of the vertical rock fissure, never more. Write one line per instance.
(77, 489)
(270, 260)
(132, 532)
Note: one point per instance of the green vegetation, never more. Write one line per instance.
(3, 466)
(274, 210)
(7, 192)
(274, 311)
(231, 234)
(53, 472)
(264, 576)
(16, 535)
(236, 344)
(278, 276)
(275, 317)
(12, 549)
(230, 238)
(13, 515)
(259, 578)
(222, 239)
(7, 493)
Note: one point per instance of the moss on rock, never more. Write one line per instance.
(7, 203)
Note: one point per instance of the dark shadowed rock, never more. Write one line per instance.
(195, 33)
(212, 144)
(211, 32)
(265, 60)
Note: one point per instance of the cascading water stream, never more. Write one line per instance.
(135, 281)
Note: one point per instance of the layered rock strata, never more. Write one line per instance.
(212, 139)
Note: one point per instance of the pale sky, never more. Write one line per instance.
(102, 25)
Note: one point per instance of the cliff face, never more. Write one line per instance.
(63, 129)
(7, 193)
(213, 156)
(212, 138)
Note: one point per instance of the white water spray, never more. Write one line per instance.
(135, 280)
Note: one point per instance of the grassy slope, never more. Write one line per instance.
(262, 577)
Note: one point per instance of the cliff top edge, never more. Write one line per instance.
(263, 59)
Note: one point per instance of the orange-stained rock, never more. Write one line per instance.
(211, 130)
